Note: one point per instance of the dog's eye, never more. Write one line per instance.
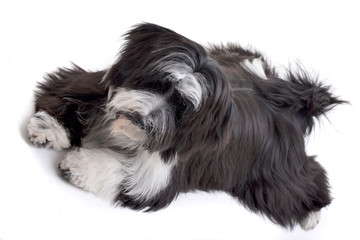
(181, 103)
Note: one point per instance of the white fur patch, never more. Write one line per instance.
(147, 175)
(256, 66)
(311, 221)
(105, 75)
(106, 173)
(142, 102)
(95, 170)
(190, 88)
(44, 130)
(187, 81)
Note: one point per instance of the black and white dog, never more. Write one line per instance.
(170, 116)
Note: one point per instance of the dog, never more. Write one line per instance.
(170, 116)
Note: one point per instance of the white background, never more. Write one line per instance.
(36, 37)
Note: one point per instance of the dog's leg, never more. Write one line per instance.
(45, 131)
(300, 204)
(317, 191)
(288, 200)
(65, 104)
(94, 170)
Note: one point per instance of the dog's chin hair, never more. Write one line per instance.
(170, 116)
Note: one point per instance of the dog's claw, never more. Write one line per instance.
(65, 173)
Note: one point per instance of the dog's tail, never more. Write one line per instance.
(315, 98)
(302, 93)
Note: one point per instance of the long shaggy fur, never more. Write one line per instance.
(177, 117)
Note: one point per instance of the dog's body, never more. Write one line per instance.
(171, 117)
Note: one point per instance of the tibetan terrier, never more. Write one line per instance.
(170, 116)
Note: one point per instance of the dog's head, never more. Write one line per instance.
(166, 91)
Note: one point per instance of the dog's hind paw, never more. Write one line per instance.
(45, 131)
(310, 221)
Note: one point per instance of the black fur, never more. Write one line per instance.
(71, 95)
(246, 138)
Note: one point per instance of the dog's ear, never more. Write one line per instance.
(211, 126)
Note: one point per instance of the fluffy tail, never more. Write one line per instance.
(301, 93)
(315, 98)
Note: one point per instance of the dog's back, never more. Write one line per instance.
(274, 116)
(298, 92)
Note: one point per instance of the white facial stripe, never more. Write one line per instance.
(183, 74)
(190, 88)
(256, 67)
(178, 70)
(138, 101)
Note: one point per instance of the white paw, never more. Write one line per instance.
(310, 221)
(45, 131)
(93, 170)
(73, 168)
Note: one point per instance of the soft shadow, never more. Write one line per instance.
(55, 156)
(27, 115)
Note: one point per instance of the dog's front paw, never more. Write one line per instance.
(93, 170)
(310, 221)
(45, 131)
